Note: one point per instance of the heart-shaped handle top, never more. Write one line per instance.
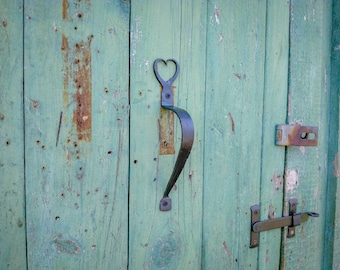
(159, 78)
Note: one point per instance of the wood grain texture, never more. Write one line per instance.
(306, 167)
(166, 29)
(77, 113)
(233, 131)
(12, 194)
(332, 214)
(275, 111)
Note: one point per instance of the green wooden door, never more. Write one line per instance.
(86, 149)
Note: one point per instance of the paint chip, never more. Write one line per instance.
(336, 171)
(217, 15)
(292, 180)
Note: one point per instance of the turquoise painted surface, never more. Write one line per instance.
(12, 181)
(77, 113)
(274, 112)
(94, 172)
(332, 214)
(308, 98)
(233, 131)
(165, 29)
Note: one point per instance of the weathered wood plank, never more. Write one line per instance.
(306, 167)
(233, 131)
(12, 194)
(332, 214)
(77, 113)
(166, 29)
(275, 110)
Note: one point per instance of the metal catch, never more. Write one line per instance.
(296, 135)
(294, 219)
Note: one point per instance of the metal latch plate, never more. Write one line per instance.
(296, 135)
(294, 219)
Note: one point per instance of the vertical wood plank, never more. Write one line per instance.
(77, 129)
(275, 109)
(306, 167)
(12, 182)
(165, 29)
(233, 131)
(332, 214)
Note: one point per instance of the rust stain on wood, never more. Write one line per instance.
(166, 130)
(226, 250)
(65, 53)
(82, 115)
(232, 123)
(271, 212)
(4, 22)
(78, 69)
(65, 9)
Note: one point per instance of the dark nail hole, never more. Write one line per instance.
(75, 28)
(57, 218)
(106, 90)
(109, 153)
(43, 147)
(8, 142)
(135, 161)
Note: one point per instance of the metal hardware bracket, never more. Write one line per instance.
(294, 219)
(296, 135)
(187, 128)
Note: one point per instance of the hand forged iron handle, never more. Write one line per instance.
(187, 127)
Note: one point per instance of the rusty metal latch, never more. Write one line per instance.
(187, 128)
(296, 135)
(294, 219)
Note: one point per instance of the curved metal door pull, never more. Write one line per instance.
(187, 128)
